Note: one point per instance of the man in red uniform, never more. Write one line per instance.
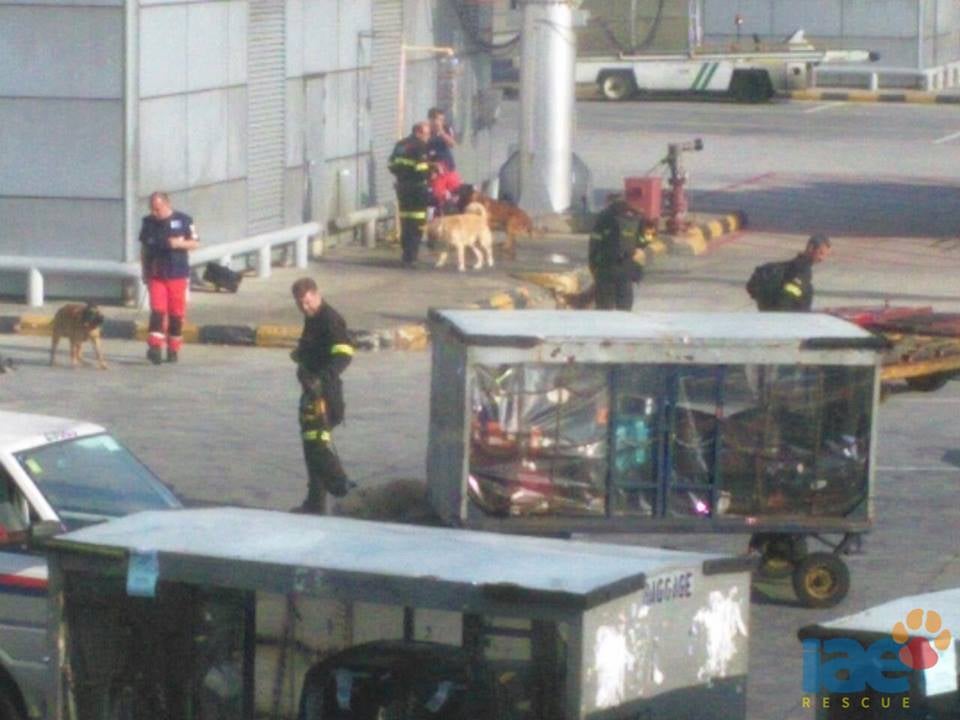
(323, 353)
(166, 238)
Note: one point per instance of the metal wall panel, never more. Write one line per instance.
(265, 115)
(314, 191)
(354, 22)
(163, 144)
(61, 148)
(163, 50)
(48, 51)
(295, 38)
(880, 18)
(207, 143)
(384, 80)
(220, 211)
(61, 228)
(209, 40)
(321, 36)
(295, 122)
(341, 115)
(237, 47)
(236, 132)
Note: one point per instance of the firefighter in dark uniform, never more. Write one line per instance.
(408, 163)
(323, 353)
(611, 258)
(796, 287)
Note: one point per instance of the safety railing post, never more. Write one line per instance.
(302, 247)
(34, 288)
(264, 256)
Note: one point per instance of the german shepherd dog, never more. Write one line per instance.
(78, 323)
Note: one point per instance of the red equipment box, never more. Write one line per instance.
(643, 195)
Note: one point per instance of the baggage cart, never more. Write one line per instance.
(758, 423)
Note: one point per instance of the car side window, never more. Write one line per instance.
(14, 511)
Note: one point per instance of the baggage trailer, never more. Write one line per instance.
(924, 346)
(167, 615)
(758, 423)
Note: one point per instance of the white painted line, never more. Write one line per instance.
(947, 138)
(828, 106)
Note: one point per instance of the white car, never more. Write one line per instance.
(57, 474)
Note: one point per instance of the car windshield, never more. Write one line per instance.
(94, 475)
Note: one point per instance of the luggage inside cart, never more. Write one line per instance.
(759, 423)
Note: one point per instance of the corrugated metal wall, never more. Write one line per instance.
(384, 84)
(266, 100)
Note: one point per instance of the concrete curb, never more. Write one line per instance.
(890, 96)
(413, 336)
(697, 239)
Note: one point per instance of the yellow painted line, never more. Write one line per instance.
(141, 331)
(502, 301)
(564, 282)
(35, 324)
(805, 95)
(690, 243)
(278, 335)
(190, 333)
(411, 337)
(716, 228)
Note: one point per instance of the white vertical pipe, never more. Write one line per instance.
(547, 57)
(264, 259)
(34, 288)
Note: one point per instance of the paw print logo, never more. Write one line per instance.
(919, 653)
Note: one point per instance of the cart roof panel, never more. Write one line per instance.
(482, 327)
(880, 619)
(267, 541)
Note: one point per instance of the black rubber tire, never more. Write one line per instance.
(617, 85)
(821, 580)
(928, 383)
(779, 554)
(751, 85)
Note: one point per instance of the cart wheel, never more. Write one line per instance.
(780, 555)
(928, 383)
(821, 580)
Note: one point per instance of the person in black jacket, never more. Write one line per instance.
(322, 354)
(611, 258)
(410, 166)
(795, 292)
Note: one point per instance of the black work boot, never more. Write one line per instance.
(172, 356)
(154, 355)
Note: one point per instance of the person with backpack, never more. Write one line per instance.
(788, 286)
(611, 258)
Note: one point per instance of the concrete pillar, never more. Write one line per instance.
(547, 54)
(369, 233)
(264, 259)
(34, 288)
(874, 81)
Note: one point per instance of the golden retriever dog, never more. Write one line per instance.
(459, 232)
(78, 323)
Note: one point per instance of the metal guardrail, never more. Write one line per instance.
(927, 79)
(35, 267)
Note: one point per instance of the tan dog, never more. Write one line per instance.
(78, 323)
(460, 232)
